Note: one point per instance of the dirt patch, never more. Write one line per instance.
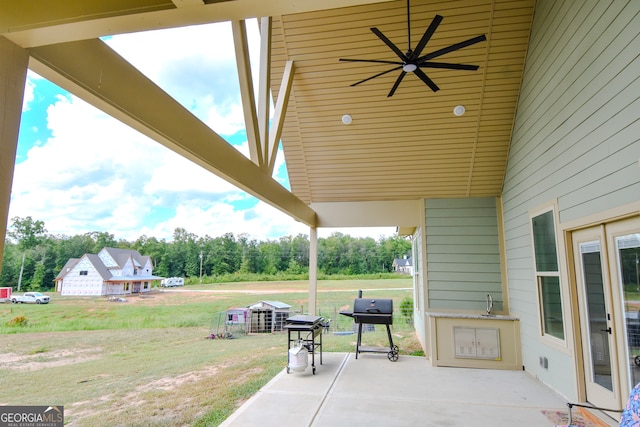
(174, 296)
(171, 383)
(144, 398)
(166, 297)
(46, 359)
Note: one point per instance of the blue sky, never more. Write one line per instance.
(79, 170)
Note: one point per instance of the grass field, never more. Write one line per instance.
(147, 361)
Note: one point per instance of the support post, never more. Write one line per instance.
(14, 61)
(313, 269)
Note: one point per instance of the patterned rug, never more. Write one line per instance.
(561, 418)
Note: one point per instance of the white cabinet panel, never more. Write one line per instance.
(477, 343)
(465, 341)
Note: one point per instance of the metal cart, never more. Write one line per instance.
(307, 329)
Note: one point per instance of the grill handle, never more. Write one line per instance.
(373, 310)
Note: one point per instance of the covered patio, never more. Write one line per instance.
(371, 390)
(508, 178)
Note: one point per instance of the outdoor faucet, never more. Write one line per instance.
(489, 304)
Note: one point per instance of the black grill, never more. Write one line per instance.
(373, 311)
(370, 311)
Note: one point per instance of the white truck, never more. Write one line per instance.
(172, 282)
(30, 298)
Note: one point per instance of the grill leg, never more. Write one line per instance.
(393, 350)
(359, 339)
(390, 338)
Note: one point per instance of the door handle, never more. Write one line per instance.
(606, 330)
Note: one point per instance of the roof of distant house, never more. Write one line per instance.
(403, 262)
(68, 266)
(120, 256)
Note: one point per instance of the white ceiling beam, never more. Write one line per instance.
(75, 28)
(13, 73)
(264, 86)
(187, 3)
(279, 114)
(388, 213)
(94, 72)
(246, 91)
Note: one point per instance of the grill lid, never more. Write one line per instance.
(372, 306)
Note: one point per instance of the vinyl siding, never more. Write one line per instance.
(463, 254)
(575, 140)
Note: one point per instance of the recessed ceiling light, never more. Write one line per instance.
(458, 110)
(346, 119)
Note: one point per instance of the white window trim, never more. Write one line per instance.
(560, 344)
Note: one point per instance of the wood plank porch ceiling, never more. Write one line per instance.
(406, 147)
(411, 145)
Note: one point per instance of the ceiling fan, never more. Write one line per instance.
(411, 61)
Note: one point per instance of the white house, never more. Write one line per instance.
(403, 265)
(112, 271)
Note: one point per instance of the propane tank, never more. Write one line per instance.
(298, 357)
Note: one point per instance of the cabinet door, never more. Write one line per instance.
(465, 342)
(487, 344)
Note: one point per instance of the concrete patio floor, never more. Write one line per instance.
(371, 390)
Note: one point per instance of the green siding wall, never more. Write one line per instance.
(463, 254)
(575, 139)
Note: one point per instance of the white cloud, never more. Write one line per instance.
(97, 174)
(195, 65)
(28, 96)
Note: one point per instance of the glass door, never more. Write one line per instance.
(624, 252)
(596, 318)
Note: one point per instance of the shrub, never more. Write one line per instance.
(406, 309)
(18, 321)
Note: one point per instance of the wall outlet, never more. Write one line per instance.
(544, 362)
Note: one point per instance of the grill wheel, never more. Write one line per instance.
(393, 354)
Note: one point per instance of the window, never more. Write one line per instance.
(551, 301)
(544, 242)
(84, 272)
(547, 274)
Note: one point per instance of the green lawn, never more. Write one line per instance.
(147, 361)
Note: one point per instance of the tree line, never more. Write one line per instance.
(34, 258)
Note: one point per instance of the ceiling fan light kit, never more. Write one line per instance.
(411, 61)
(409, 68)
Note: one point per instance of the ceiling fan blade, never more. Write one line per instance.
(370, 60)
(448, 66)
(418, 72)
(376, 75)
(427, 36)
(396, 84)
(453, 47)
(392, 46)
